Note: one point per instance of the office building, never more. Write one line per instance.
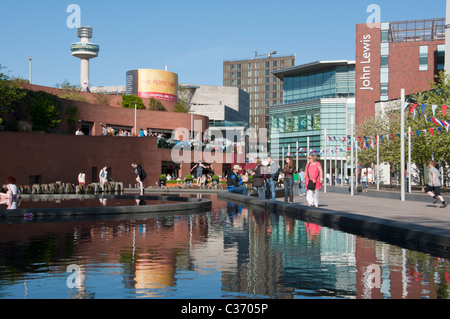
(317, 96)
(255, 76)
(391, 56)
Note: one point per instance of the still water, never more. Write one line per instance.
(228, 252)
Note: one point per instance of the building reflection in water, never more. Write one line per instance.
(253, 253)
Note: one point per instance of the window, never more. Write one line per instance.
(441, 57)
(423, 58)
(384, 61)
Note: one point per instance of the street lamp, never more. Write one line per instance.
(29, 71)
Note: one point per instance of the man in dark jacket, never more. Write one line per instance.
(141, 175)
(258, 178)
(234, 182)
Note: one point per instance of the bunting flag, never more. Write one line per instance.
(431, 131)
(444, 110)
(412, 108)
(433, 107)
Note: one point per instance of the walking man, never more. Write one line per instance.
(433, 187)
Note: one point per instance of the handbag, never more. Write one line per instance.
(311, 185)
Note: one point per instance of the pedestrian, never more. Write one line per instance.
(141, 176)
(103, 175)
(364, 182)
(199, 172)
(288, 172)
(235, 183)
(12, 191)
(433, 188)
(82, 179)
(258, 178)
(271, 178)
(301, 177)
(313, 180)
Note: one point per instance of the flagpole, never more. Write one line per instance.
(378, 162)
(325, 165)
(409, 162)
(402, 147)
(352, 143)
(307, 149)
(296, 160)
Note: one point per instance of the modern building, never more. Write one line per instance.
(222, 104)
(391, 56)
(317, 96)
(255, 76)
(84, 50)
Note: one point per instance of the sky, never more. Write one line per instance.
(192, 38)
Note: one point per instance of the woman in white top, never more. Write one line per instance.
(13, 191)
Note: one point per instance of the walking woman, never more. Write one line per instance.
(288, 172)
(313, 174)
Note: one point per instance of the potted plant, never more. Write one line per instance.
(162, 180)
(215, 180)
(189, 179)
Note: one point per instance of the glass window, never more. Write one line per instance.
(441, 57)
(384, 61)
(423, 58)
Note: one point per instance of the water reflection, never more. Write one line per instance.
(229, 252)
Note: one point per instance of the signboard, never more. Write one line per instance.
(148, 83)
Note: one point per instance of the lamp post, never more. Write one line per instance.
(30, 58)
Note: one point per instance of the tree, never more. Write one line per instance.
(10, 92)
(427, 146)
(182, 107)
(387, 125)
(156, 105)
(44, 110)
(130, 101)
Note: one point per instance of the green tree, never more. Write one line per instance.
(129, 102)
(386, 125)
(426, 146)
(10, 92)
(156, 105)
(44, 110)
(182, 107)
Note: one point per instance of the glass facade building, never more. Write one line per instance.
(317, 96)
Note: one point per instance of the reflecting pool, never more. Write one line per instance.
(228, 252)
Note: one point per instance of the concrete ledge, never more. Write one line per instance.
(182, 204)
(405, 234)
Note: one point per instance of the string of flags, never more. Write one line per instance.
(370, 141)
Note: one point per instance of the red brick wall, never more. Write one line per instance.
(403, 69)
(367, 49)
(61, 157)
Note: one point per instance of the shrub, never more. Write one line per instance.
(129, 101)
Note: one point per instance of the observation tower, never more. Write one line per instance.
(85, 51)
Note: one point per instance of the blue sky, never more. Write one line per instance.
(192, 38)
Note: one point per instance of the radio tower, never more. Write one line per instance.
(85, 51)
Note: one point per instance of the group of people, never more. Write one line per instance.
(265, 178)
(141, 175)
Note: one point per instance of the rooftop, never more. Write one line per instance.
(310, 67)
